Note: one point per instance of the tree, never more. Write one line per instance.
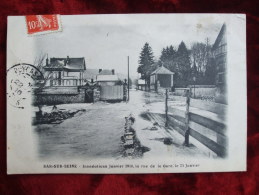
(183, 66)
(195, 72)
(146, 62)
(198, 51)
(167, 57)
(211, 72)
(39, 62)
(201, 54)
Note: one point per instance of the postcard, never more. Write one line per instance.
(126, 93)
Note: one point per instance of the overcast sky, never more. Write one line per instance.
(106, 41)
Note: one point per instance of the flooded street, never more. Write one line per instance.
(94, 133)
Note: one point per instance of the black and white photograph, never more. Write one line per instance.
(137, 93)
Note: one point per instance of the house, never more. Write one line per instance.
(65, 71)
(141, 84)
(220, 54)
(219, 50)
(161, 78)
(91, 74)
(106, 72)
(103, 77)
(107, 77)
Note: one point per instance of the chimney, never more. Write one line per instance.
(66, 61)
(100, 70)
(113, 71)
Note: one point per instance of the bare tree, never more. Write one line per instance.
(40, 63)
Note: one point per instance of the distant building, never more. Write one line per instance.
(141, 84)
(107, 77)
(65, 71)
(91, 74)
(161, 78)
(219, 50)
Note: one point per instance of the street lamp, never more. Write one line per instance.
(194, 80)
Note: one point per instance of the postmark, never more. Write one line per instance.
(42, 24)
(21, 80)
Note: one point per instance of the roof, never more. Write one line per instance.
(107, 78)
(220, 36)
(162, 70)
(66, 63)
(105, 72)
(90, 74)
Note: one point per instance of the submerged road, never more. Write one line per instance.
(94, 133)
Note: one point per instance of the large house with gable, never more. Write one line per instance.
(72, 72)
(65, 71)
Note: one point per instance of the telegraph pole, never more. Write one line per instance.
(166, 108)
(128, 80)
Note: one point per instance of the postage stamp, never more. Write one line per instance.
(41, 24)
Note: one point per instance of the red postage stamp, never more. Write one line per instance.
(41, 24)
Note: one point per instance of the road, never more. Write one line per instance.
(97, 132)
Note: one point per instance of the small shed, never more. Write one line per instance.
(161, 77)
(141, 84)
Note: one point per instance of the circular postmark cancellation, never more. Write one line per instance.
(21, 80)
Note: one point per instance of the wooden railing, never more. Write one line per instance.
(197, 119)
(67, 82)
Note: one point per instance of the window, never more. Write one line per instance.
(221, 78)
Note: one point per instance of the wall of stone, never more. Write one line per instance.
(97, 94)
(51, 99)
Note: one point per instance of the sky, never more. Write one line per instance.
(106, 40)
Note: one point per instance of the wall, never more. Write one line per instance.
(97, 95)
(164, 80)
(112, 92)
(51, 99)
(200, 91)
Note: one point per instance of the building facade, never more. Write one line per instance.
(161, 78)
(219, 50)
(107, 78)
(65, 71)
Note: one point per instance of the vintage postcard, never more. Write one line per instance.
(132, 93)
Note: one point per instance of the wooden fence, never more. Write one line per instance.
(112, 92)
(196, 119)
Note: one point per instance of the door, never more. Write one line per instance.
(89, 96)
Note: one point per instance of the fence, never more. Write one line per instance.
(198, 91)
(112, 93)
(66, 82)
(197, 119)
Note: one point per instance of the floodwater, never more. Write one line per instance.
(94, 133)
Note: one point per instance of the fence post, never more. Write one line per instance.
(166, 108)
(187, 130)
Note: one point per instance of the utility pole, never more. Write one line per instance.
(166, 108)
(128, 80)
